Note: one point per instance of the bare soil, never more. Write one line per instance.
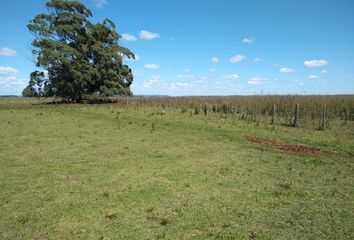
(297, 148)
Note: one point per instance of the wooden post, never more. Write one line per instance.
(324, 118)
(273, 114)
(297, 116)
(205, 109)
(255, 114)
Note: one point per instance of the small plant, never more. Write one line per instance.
(225, 109)
(285, 185)
(111, 215)
(150, 209)
(196, 110)
(163, 221)
(214, 108)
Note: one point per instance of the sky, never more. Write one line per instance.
(208, 47)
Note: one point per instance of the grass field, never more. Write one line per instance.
(116, 172)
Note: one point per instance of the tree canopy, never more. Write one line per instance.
(80, 58)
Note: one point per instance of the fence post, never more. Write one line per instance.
(205, 109)
(297, 116)
(273, 114)
(324, 118)
(254, 117)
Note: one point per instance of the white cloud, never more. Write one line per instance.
(247, 40)
(324, 71)
(257, 80)
(237, 58)
(231, 76)
(9, 82)
(152, 66)
(212, 70)
(187, 70)
(137, 73)
(100, 3)
(315, 63)
(7, 52)
(203, 77)
(148, 35)
(6, 79)
(180, 84)
(128, 37)
(286, 70)
(8, 70)
(256, 60)
(301, 83)
(218, 85)
(215, 60)
(153, 80)
(313, 76)
(199, 81)
(185, 76)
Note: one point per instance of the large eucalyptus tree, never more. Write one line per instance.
(80, 58)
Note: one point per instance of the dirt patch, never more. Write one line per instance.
(301, 149)
(263, 140)
(297, 148)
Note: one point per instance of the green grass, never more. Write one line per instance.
(113, 172)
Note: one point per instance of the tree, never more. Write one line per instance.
(34, 88)
(81, 58)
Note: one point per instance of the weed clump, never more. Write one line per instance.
(111, 215)
(163, 221)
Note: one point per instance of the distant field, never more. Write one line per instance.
(162, 171)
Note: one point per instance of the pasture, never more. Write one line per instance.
(110, 171)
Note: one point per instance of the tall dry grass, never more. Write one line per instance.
(338, 106)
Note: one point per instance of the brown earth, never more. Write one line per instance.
(298, 148)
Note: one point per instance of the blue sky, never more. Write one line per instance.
(209, 47)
